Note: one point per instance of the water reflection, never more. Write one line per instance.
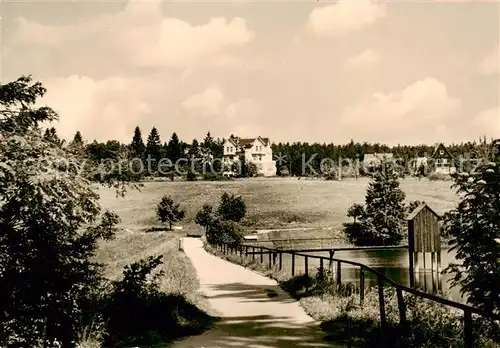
(392, 263)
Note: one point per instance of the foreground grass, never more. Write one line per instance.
(344, 319)
(180, 310)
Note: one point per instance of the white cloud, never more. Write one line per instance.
(487, 122)
(106, 109)
(489, 65)
(206, 103)
(143, 36)
(418, 110)
(344, 16)
(367, 58)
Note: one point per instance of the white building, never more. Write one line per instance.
(375, 159)
(251, 150)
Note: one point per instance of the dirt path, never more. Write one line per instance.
(255, 312)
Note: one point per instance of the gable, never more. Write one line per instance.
(230, 141)
(440, 151)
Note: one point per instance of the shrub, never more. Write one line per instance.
(190, 176)
(224, 231)
(205, 216)
(438, 177)
(231, 207)
(169, 212)
(138, 313)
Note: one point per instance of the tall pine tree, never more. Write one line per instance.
(137, 146)
(76, 145)
(174, 149)
(385, 208)
(383, 219)
(154, 149)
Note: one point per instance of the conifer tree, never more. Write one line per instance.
(174, 148)
(137, 146)
(385, 209)
(153, 148)
(382, 221)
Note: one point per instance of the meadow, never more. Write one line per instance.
(271, 202)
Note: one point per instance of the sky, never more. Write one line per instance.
(315, 71)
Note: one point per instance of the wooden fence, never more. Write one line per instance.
(275, 257)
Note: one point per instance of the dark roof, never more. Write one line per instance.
(418, 209)
(438, 147)
(247, 142)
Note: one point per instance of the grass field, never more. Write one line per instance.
(271, 203)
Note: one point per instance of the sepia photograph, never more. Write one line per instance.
(249, 173)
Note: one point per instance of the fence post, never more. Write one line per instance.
(339, 273)
(321, 271)
(306, 265)
(293, 263)
(402, 309)
(270, 256)
(281, 260)
(381, 301)
(253, 253)
(468, 338)
(261, 255)
(361, 285)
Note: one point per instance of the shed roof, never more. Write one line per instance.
(418, 209)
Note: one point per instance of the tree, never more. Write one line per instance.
(205, 217)
(384, 218)
(153, 148)
(231, 207)
(51, 136)
(225, 231)
(51, 223)
(76, 145)
(473, 227)
(174, 149)
(356, 211)
(77, 139)
(169, 212)
(138, 149)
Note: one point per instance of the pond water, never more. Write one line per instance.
(393, 263)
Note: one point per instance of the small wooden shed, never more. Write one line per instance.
(424, 236)
(424, 231)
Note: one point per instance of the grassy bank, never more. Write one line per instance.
(344, 320)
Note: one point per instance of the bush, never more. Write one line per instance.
(205, 217)
(190, 176)
(438, 177)
(231, 207)
(224, 231)
(137, 313)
